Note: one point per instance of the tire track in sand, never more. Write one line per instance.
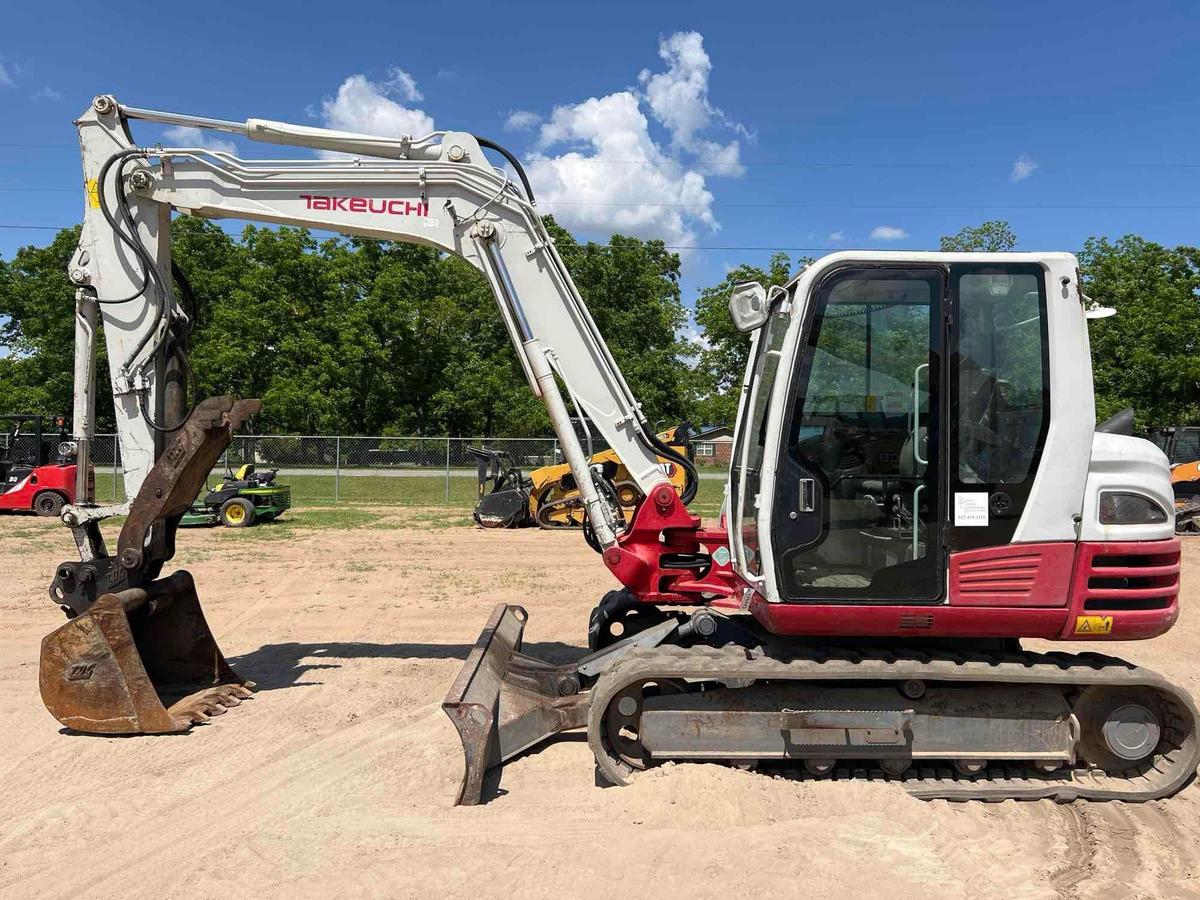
(1077, 855)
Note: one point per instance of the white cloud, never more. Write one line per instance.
(1022, 168)
(622, 181)
(187, 136)
(5, 78)
(837, 237)
(364, 106)
(598, 167)
(47, 93)
(401, 82)
(678, 97)
(888, 233)
(521, 120)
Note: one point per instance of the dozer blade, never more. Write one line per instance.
(139, 661)
(504, 702)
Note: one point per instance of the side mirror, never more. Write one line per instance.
(1093, 310)
(748, 306)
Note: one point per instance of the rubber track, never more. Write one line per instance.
(1164, 774)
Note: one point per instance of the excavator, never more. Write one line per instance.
(547, 497)
(918, 486)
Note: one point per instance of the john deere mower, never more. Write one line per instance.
(241, 500)
(548, 497)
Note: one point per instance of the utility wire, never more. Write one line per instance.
(607, 248)
(796, 164)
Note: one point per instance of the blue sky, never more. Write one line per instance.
(796, 125)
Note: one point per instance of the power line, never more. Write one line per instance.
(606, 247)
(799, 163)
(602, 246)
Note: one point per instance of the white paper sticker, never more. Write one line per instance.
(971, 509)
(430, 223)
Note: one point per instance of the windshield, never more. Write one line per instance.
(746, 471)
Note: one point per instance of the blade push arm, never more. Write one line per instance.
(439, 191)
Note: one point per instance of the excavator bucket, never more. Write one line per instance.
(140, 661)
(136, 655)
(504, 702)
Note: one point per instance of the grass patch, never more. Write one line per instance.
(296, 520)
(457, 494)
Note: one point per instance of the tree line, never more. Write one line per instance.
(357, 336)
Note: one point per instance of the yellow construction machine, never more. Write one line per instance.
(549, 496)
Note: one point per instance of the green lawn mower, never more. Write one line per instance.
(241, 500)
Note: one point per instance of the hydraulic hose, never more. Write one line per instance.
(129, 240)
(513, 161)
(691, 478)
(149, 274)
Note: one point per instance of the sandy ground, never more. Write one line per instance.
(337, 778)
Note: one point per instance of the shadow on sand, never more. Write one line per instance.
(275, 666)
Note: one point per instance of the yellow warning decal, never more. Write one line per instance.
(93, 193)
(1093, 624)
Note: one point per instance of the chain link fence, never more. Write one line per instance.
(330, 469)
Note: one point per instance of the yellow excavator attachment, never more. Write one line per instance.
(136, 655)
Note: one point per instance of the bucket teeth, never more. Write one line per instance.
(200, 707)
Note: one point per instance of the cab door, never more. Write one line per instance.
(858, 494)
(999, 404)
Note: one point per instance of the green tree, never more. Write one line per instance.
(631, 287)
(354, 335)
(37, 326)
(1148, 355)
(721, 362)
(993, 236)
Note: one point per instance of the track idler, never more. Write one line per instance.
(139, 661)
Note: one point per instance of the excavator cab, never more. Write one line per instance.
(911, 424)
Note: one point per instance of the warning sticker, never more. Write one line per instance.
(93, 193)
(971, 509)
(1093, 624)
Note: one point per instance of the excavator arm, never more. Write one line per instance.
(439, 191)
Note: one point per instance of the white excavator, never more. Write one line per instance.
(918, 484)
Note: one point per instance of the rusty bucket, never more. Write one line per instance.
(139, 661)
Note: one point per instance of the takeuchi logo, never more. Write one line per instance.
(366, 205)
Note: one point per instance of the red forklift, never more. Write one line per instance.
(29, 480)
